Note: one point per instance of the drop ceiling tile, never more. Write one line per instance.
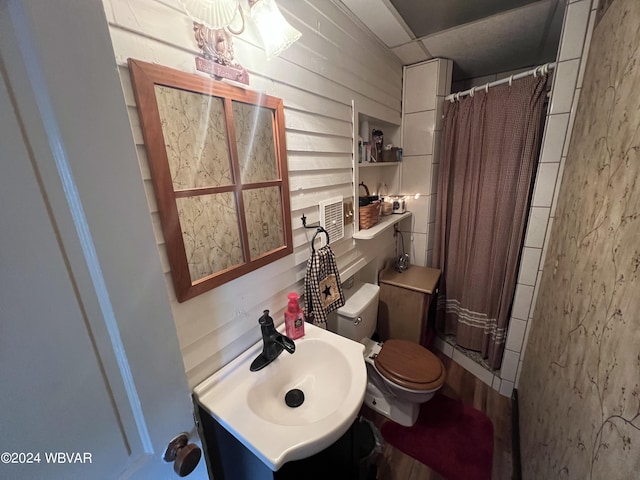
(411, 53)
(381, 20)
(496, 44)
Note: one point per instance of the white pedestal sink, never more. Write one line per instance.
(327, 368)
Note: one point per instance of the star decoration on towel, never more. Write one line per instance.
(328, 290)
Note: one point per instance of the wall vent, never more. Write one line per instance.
(332, 219)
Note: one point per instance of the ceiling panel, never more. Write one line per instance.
(497, 44)
(482, 37)
(381, 20)
(426, 17)
(411, 53)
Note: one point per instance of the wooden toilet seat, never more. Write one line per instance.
(410, 365)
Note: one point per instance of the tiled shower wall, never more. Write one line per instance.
(425, 86)
(572, 58)
(567, 82)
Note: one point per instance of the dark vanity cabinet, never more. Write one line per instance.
(228, 459)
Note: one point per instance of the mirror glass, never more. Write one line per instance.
(217, 157)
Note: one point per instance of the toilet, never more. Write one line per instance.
(401, 374)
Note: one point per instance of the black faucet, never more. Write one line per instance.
(273, 343)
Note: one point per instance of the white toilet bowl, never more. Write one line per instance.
(401, 375)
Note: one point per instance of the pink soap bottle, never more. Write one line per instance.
(294, 318)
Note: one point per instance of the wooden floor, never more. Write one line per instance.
(464, 386)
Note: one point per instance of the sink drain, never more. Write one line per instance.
(294, 398)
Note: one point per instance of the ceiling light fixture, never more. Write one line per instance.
(213, 14)
(276, 33)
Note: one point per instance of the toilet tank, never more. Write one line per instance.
(358, 317)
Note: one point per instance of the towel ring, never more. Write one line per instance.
(313, 240)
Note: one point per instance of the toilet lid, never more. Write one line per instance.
(410, 365)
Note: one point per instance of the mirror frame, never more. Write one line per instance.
(145, 76)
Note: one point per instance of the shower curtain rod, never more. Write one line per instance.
(541, 69)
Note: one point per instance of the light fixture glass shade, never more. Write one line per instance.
(214, 14)
(276, 33)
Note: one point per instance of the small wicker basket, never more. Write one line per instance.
(368, 215)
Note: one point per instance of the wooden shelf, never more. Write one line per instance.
(377, 164)
(385, 223)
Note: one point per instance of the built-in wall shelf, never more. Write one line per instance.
(377, 164)
(384, 223)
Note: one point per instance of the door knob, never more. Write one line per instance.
(185, 455)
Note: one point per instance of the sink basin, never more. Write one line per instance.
(329, 371)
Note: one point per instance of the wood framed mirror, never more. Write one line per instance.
(218, 164)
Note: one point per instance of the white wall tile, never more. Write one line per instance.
(565, 82)
(554, 203)
(444, 76)
(435, 171)
(545, 184)
(429, 260)
(526, 339)
(534, 299)
(416, 174)
(587, 44)
(522, 301)
(433, 204)
(439, 113)
(575, 26)
(509, 366)
(421, 84)
(529, 265)
(572, 119)
(537, 227)
(515, 337)
(506, 388)
(418, 253)
(469, 365)
(431, 235)
(554, 136)
(519, 371)
(437, 146)
(420, 207)
(547, 237)
(418, 133)
(496, 383)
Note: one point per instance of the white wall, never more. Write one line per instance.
(333, 63)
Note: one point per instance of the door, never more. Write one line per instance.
(93, 384)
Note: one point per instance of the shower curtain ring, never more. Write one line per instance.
(472, 92)
(510, 80)
(486, 88)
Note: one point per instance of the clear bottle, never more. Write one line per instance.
(294, 318)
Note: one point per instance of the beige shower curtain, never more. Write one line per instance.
(490, 147)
